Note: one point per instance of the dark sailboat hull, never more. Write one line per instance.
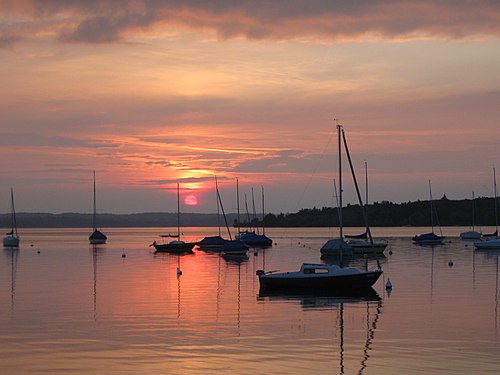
(174, 248)
(361, 281)
(97, 238)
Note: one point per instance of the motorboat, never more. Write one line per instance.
(320, 276)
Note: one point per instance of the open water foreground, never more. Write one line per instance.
(67, 307)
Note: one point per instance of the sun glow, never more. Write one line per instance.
(191, 200)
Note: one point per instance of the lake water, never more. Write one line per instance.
(69, 308)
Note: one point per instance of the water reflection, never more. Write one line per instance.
(339, 303)
(97, 253)
(12, 254)
(318, 299)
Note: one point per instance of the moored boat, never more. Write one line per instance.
(12, 237)
(253, 239)
(487, 244)
(491, 241)
(320, 276)
(97, 237)
(471, 234)
(211, 243)
(430, 238)
(175, 246)
(234, 247)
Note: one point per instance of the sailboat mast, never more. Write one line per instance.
(238, 203)
(473, 213)
(94, 214)
(432, 215)
(339, 128)
(263, 212)
(495, 188)
(255, 213)
(217, 202)
(178, 213)
(357, 188)
(223, 214)
(13, 213)
(366, 193)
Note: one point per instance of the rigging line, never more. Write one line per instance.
(314, 171)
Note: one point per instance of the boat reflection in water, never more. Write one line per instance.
(341, 303)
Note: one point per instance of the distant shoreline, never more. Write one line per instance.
(384, 214)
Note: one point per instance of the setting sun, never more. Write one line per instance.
(190, 200)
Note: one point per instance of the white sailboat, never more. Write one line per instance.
(338, 246)
(491, 242)
(97, 237)
(12, 238)
(471, 234)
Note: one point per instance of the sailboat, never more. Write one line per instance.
(12, 238)
(253, 239)
(338, 246)
(233, 247)
(471, 234)
(363, 243)
(213, 243)
(175, 246)
(97, 237)
(491, 242)
(429, 238)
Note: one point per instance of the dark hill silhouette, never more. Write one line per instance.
(383, 214)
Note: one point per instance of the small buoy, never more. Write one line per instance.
(31, 245)
(304, 245)
(388, 284)
(299, 242)
(275, 244)
(124, 255)
(390, 252)
(450, 263)
(38, 252)
(179, 272)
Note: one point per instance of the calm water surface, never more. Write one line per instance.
(69, 308)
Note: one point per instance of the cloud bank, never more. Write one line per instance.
(104, 21)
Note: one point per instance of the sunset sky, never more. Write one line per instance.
(151, 93)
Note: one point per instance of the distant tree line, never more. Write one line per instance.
(383, 214)
(386, 214)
